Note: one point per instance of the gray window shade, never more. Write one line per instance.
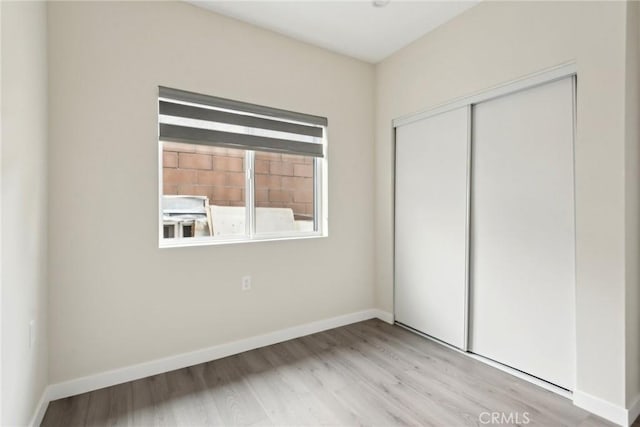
(201, 119)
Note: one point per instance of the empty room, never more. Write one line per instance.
(306, 213)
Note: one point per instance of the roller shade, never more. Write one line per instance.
(206, 120)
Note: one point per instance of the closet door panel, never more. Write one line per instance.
(431, 224)
(522, 232)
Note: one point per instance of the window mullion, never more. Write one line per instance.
(250, 194)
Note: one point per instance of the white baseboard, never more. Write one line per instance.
(41, 408)
(634, 410)
(159, 366)
(607, 410)
(385, 316)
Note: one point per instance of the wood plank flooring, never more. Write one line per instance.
(368, 373)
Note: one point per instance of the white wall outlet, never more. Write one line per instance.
(246, 283)
(32, 333)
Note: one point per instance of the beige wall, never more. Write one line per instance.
(496, 42)
(24, 208)
(116, 299)
(632, 174)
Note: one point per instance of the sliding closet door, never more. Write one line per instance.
(522, 232)
(430, 225)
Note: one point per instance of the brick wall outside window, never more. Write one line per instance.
(281, 180)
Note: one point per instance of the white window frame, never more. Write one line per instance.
(320, 204)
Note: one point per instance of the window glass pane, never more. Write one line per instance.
(284, 193)
(203, 191)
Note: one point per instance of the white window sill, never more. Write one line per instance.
(214, 241)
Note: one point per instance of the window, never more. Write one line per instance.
(232, 171)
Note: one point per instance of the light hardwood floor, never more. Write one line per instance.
(368, 373)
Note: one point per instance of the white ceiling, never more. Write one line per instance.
(354, 28)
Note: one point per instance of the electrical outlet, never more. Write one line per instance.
(246, 283)
(32, 333)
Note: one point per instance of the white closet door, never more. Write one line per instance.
(431, 224)
(522, 232)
